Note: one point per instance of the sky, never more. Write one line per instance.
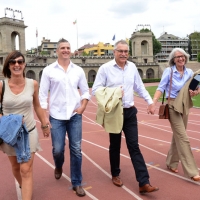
(100, 20)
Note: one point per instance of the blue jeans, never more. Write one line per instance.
(130, 130)
(73, 127)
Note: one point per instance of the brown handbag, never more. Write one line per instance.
(163, 112)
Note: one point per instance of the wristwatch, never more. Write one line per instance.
(44, 126)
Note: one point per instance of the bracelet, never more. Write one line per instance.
(45, 126)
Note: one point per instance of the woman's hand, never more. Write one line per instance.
(193, 93)
(46, 130)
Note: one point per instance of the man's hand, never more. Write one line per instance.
(151, 109)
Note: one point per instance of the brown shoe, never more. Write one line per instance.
(147, 188)
(117, 181)
(58, 173)
(79, 191)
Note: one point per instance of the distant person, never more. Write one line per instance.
(20, 97)
(60, 82)
(119, 72)
(180, 102)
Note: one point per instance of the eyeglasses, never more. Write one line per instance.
(182, 56)
(121, 51)
(13, 62)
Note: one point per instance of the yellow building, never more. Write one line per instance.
(100, 49)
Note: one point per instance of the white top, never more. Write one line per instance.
(62, 89)
(111, 75)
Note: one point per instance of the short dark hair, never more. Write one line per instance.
(61, 41)
(13, 55)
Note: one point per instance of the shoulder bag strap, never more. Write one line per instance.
(170, 86)
(2, 93)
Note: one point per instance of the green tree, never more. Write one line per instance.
(156, 44)
(198, 57)
(130, 48)
(85, 54)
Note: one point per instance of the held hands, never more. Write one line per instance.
(193, 93)
(151, 109)
(46, 128)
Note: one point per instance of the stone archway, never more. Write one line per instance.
(15, 46)
(144, 47)
(91, 76)
(150, 73)
(141, 73)
(31, 74)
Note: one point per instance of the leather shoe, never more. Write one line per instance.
(196, 178)
(117, 181)
(147, 188)
(172, 170)
(79, 191)
(58, 173)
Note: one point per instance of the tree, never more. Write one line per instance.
(156, 44)
(85, 54)
(198, 57)
(130, 48)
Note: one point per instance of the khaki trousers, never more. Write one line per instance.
(180, 146)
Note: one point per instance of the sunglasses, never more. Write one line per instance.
(13, 62)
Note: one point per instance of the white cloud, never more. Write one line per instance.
(99, 20)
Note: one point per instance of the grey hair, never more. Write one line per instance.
(172, 54)
(61, 41)
(120, 42)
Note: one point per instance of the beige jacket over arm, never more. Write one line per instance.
(110, 108)
(183, 101)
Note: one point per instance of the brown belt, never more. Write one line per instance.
(130, 107)
(171, 99)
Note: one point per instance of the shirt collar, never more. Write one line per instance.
(175, 70)
(57, 64)
(116, 65)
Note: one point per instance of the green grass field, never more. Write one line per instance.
(152, 89)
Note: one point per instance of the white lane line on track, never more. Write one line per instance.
(188, 130)
(146, 163)
(154, 126)
(91, 120)
(19, 196)
(93, 102)
(107, 174)
(64, 175)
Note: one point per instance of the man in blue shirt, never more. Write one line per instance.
(121, 73)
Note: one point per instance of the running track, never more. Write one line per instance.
(154, 138)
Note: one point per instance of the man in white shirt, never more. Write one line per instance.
(121, 73)
(60, 82)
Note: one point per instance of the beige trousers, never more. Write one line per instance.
(180, 146)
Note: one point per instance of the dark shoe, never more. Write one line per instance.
(79, 191)
(147, 188)
(172, 170)
(58, 173)
(117, 181)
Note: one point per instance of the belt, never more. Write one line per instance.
(31, 129)
(171, 99)
(129, 107)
